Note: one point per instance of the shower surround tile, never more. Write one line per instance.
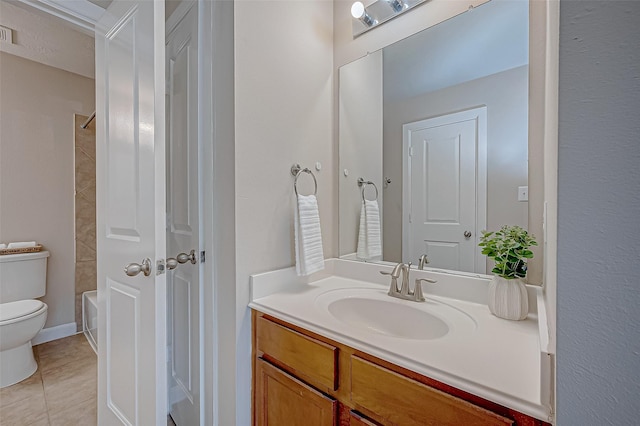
(85, 186)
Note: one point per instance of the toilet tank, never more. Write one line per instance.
(23, 276)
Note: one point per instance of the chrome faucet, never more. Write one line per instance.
(404, 292)
(423, 261)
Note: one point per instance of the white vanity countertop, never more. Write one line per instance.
(499, 360)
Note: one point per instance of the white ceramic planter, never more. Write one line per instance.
(508, 299)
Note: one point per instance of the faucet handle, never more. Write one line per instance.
(406, 270)
(393, 289)
(418, 288)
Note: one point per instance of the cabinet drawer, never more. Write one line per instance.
(312, 360)
(404, 401)
(357, 419)
(283, 400)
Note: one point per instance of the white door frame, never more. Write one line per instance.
(479, 114)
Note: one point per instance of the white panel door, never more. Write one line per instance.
(183, 228)
(131, 219)
(443, 189)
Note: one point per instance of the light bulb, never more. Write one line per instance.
(357, 10)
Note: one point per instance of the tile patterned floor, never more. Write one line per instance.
(62, 392)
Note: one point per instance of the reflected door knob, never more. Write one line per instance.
(172, 263)
(467, 234)
(134, 269)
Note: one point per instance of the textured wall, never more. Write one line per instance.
(283, 115)
(598, 351)
(360, 135)
(37, 107)
(46, 39)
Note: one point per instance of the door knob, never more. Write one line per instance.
(172, 263)
(467, 234)
(134, 269)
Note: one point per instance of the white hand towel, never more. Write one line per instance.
(3, 246)
(21, 244)
(369, 241)
(308, 238)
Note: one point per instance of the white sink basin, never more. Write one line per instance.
(374, 311)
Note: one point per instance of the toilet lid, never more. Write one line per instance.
(21, 308)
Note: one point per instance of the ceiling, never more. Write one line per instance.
(491, 38)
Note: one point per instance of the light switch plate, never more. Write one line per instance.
(523, 193)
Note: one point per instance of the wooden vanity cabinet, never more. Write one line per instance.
(301, 378)
(285, 400)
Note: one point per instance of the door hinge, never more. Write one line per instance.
(202, 256)
(411, 151)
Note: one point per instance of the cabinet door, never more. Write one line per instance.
(282, 399)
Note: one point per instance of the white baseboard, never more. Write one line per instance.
(55, 333)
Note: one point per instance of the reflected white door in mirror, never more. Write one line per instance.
(445, 190)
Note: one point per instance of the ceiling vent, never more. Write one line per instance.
(6, 35)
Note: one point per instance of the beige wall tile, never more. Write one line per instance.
(84, 253)
(86, 138)
(85, 170)
(85, 276)
(86, 232)
(78, 312)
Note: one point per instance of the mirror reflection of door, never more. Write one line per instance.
(476, 59)
(444, 201)
(183, 214)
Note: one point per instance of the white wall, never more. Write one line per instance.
(506, 96)
(598, 347)
(48, 40)
(37, 107)
(361, 142)
(283, 115)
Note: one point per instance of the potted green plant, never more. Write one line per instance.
(510, 250)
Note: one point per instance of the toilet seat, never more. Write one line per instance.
(20, 310)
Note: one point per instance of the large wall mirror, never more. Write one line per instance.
(438, 123)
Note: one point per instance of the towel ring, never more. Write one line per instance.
(363, 183)
(297, 171)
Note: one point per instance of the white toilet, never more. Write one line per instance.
(22, 278)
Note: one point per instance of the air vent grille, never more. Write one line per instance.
(6, 35)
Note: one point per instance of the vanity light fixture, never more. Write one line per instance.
(378, 12)
(396, 5)
(358, 11)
